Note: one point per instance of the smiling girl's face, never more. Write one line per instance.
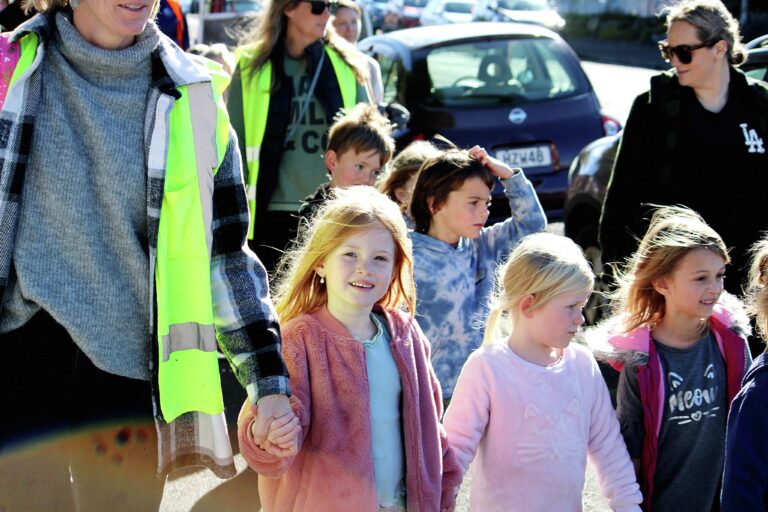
(359, 271)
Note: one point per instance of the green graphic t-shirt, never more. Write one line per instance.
(302, 168)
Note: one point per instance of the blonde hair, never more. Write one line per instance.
(712, 21)
(543, 265)
(348, 212)
(267, 30)
(757, 289)
(674, 231)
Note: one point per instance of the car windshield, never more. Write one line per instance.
(460, 7)
(415, 3)
(500, 71)
(524, 5)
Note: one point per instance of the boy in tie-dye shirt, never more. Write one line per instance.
(455, 256)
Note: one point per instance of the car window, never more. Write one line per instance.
(759, 72)
(390, 75)
(509, 71)
(460, 7)
(524, 5)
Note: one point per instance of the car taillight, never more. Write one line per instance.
(418, 136)
(610, 125)
(555, 156)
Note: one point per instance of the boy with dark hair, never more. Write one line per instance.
(455, 257)
(359, 146)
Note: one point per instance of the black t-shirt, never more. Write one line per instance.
(673, 151)
(718, 159)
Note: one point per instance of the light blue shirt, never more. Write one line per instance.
(386, 431)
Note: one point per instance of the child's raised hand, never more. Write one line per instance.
(494, 166)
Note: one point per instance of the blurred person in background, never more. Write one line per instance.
(347, 22)
(291, 78)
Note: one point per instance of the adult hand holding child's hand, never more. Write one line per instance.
(276, 428)
(267, 409)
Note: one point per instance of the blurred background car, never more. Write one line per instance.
(539, 12)
(517, 90)
(440, 12)
(411, 13)
(588, 180)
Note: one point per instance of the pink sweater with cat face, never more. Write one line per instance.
(530, 429)
(334, 467)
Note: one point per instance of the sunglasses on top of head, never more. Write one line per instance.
(317, 7)
(684, 52)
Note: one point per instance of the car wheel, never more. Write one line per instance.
(598, 305)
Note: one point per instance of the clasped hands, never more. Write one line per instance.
(276, 428)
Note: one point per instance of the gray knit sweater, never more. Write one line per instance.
(81, 252)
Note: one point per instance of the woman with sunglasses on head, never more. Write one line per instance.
(293, 75)
(698, 137)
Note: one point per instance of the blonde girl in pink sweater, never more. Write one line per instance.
(529, 407)
(367, 435)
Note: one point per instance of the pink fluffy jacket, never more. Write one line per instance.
(334, 467)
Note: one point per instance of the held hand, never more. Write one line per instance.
(494, 166)
(267, 409)
(284, 430)
(283, 438)
(284, 435)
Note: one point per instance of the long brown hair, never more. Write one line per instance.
(350, 211)
(266, 31)
(674, 232)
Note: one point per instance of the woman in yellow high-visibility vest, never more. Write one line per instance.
(293, 75)
(123, 263)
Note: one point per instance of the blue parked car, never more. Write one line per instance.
(517, 90)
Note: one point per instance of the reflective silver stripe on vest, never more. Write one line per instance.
(204, 117)
(252, 153)
(189, 336)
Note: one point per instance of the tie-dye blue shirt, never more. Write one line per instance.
(453, 284)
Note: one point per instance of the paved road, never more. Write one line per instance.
(617, 86)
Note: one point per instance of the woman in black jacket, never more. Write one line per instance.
(698, 137)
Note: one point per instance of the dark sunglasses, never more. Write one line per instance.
(684, 52)
(319, 6)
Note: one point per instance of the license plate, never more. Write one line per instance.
(531, 156)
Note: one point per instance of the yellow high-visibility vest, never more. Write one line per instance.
(256, 93)
(188, 372)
